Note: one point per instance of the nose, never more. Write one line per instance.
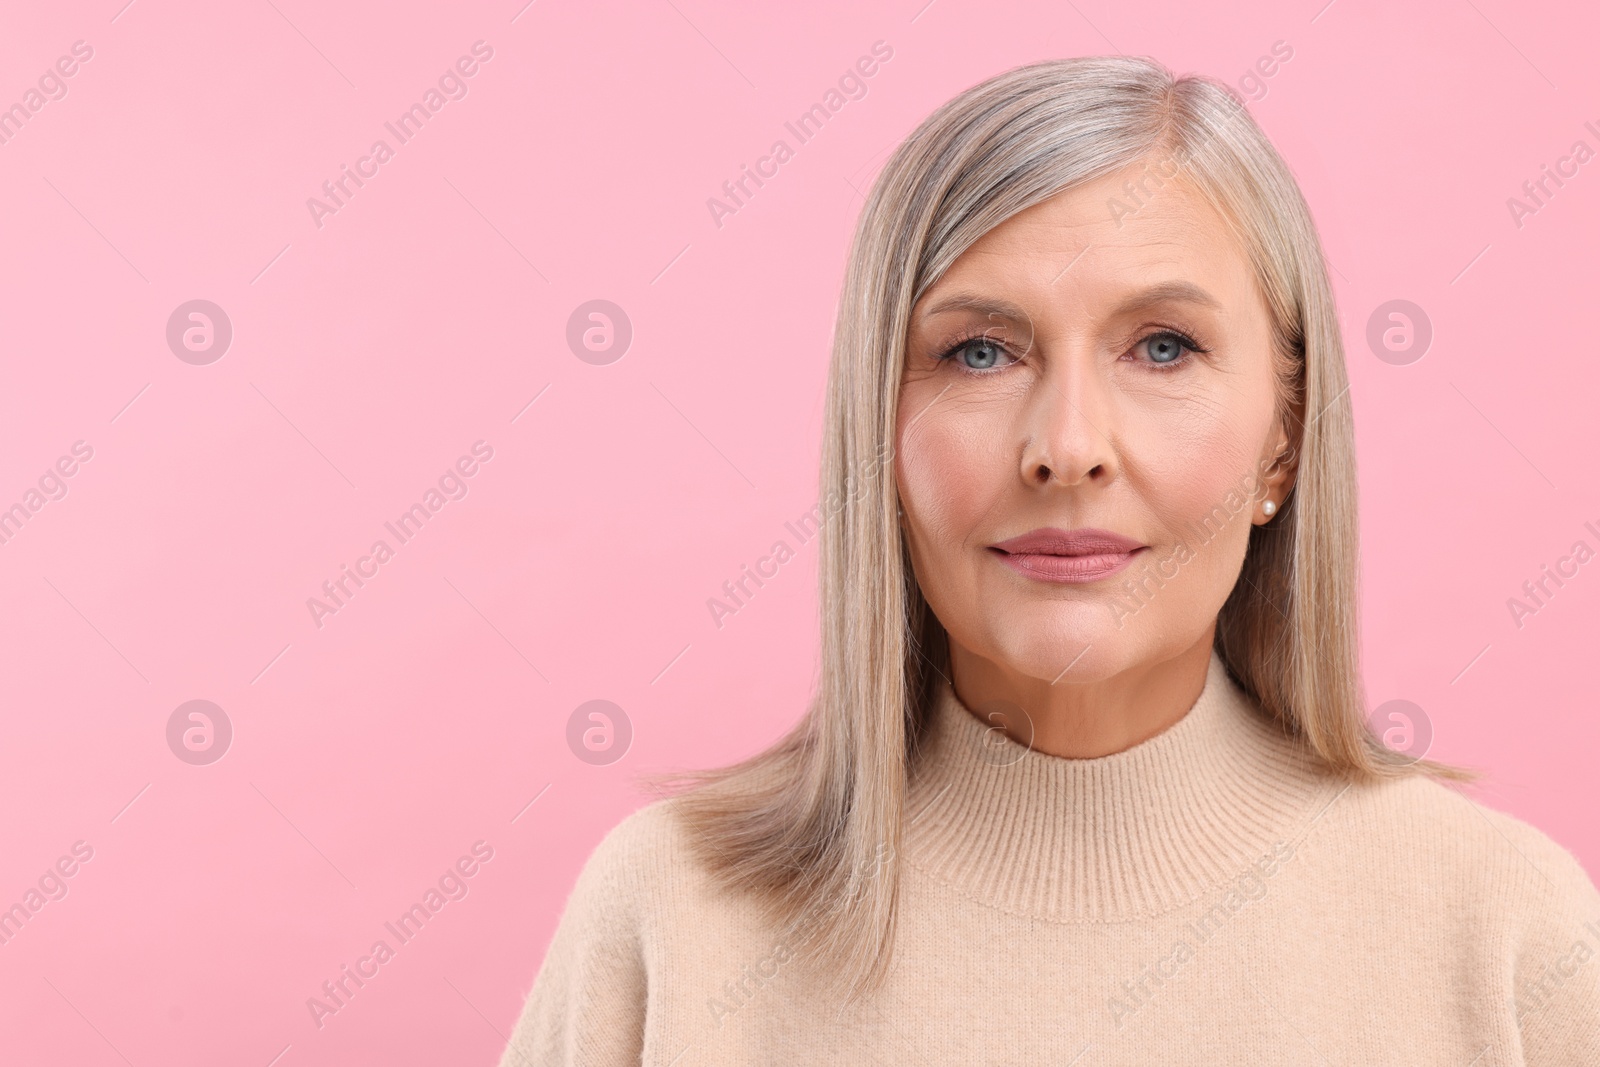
(1066, 425)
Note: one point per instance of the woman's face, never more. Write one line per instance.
(1078, 370)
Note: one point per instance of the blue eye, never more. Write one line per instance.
(976, 355)
(987, 354)
(1168, 348)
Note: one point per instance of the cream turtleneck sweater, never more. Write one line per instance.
(1204, 897)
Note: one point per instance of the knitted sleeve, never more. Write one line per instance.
(1556, 978)
(587, 1004)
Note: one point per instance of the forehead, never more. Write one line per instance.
(1126, 230)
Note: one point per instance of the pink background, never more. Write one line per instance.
(425, 315)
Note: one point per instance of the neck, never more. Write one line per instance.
(1134, 833)
(1076, 716)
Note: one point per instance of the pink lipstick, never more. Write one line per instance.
(1053, 555)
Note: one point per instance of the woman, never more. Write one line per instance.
(1087, 777)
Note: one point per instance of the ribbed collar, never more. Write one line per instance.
(1133, 834)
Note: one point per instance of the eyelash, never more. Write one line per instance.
(1191, 348)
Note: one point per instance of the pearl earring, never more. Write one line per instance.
(1268, 507)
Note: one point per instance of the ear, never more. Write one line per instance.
(1280, 463)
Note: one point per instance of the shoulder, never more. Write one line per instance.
(588, 1003)
(1536, 889)
(644, 833)
(633, 854)
(1551, 945)
(637, 868)
(1561, 870)
(1493, 893)
(1442, 823)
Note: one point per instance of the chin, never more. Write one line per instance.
(1041, 644)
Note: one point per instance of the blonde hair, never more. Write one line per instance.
(811, 826)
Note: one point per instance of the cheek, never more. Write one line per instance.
(1191, 479)
(949, 471)
(1196, 477)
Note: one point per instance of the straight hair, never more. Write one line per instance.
(810, 828)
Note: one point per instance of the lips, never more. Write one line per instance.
(1053, 555)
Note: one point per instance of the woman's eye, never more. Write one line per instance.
(980, 354)
(1165, 348)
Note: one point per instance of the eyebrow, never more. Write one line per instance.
(970, 302)
(1168, 293)
(1161, 293)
